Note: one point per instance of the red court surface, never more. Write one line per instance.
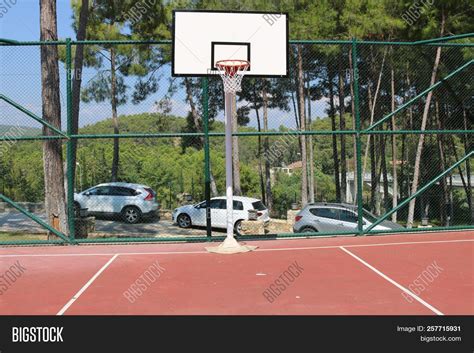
(412, 274)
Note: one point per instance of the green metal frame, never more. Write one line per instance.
(353, 44)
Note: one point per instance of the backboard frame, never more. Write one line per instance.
(213, 71)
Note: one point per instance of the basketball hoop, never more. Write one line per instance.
(232, 72)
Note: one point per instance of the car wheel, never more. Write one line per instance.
(238, 228)
(308, 230)
(131, 215)
(184, 221)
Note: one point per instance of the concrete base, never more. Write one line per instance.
(230, 246)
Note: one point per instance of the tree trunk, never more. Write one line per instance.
(394, 147)
(403, 186)
(335, 156)
(354, 139)
(342, 127)
(235, 152)
(259, 151)
(113, 100)
(77, 80)
(55, 196)
(198, 127)
(266, 146)
(383, 161)
(304, 161)
(372, 106)
(295, 109)
(373, 162)
(442, 164)
(310, 146)
(419, 150)
(468, 147)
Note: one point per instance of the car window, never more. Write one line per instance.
(348, 216)
(259, 206)
(100, 191)
(122, 191)
(218, 204)
(330, 213)
(238, 205)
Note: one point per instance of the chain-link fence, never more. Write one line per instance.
(360, 138)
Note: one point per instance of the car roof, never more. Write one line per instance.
(123, 184)
(332, 204)
(237, 198)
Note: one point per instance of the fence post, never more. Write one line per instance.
(69, 145)
(355, 74)
(207, 165)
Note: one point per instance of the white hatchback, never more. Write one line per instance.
(195, 215)
(131, 202)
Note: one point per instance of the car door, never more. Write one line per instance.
(98, 200)
(218, 213)
(121, 197)
(348, 219)
(198, 214)
(326, 219)
(239, 211)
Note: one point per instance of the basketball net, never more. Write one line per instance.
(232, 72)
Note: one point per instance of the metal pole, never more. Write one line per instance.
(32, 115)
(360, 223)
(228, 164)
(207, 164)
(69, 145)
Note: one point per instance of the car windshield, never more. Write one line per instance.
(369, 216)
(259, 206)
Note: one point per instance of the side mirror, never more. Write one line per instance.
(87, 194)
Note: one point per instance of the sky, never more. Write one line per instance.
(20, 76)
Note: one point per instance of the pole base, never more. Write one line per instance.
(230, 246)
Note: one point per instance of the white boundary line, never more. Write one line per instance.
(82, 290)
(399, 286)
(258, 250)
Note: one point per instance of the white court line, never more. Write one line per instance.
(82, 290)
(258, 250)
(399, 286)
(365, 245)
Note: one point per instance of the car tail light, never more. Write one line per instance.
(259, 214)
(149, 197)
(297, 218)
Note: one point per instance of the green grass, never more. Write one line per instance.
(19, 237)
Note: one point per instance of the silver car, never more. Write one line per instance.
(335, 217)
(130, 202)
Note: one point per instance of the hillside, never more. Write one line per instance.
(19, 130)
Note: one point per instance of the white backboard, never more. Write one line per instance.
(200, 38)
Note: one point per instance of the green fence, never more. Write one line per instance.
(362, 131)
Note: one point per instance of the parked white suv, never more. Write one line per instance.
(195, 215)
(132, 202)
